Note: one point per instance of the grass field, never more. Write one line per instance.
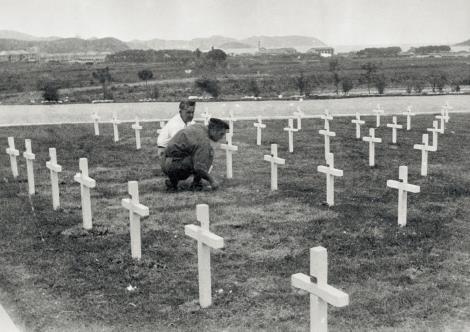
(55, 277)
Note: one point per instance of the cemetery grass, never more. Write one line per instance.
(57, 277)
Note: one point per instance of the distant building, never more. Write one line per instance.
(18, 56)
(83, 57)
(277, 51)
(324, 52)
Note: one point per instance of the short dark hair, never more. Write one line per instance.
(218, 124)
(186, 103)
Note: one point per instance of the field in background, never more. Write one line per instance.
(56, 278)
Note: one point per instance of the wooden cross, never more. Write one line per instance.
(231, 120)
(96, 124)
(425, 148)
(55, 169)
(327, 133)
(115, 127)
(136, 210)
(408, 114)
(229, 149)
(299, 114)
(29, 156)
(206, 116)
(205, 241)
(446, 109)
(137, 127)
(435, 130)
(162, 124)
(330, 172)
(403, 188)
(442, 119)
(259, 126)
(394, 127)
(273, 158)
(13, 153)
(358, 123)
(291, 131)
(321, 294)
(327, 117)
(372, 140)
(378, 112)
(86, 183)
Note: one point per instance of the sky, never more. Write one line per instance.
(335, 22)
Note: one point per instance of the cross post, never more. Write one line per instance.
(115, 127)
(137, 127)
(86, 183)
(259, 126)
(96, 123)
(358, 123)
(408, 114)
(274, 160)
(229, 149)
(378, 112)
(394, 127)
(290, 128)
(331, 172)
(327, 133)
(372, 140)
(435, 130)
(13, 153)
(55, 169)
(425, 148)
(29, 156)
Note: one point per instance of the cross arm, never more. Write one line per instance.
(53, 167)
(328, 170)
(136, 127)
(229, 147)
(138, 208)
(274, 159)
(208, 238)
(403, 186)
(29, 155)
(327, 293)
(85, 180)
(372, 139)
(326, 132)
(13, 152)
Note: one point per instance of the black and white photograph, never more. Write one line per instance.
(234, 165)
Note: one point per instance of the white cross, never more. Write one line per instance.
(330, 172)
(206, 116)
(259, 126)
(205, 241)
(403, 188)
(29, 156)
(358, 123)
(96, 120)
(321, 294)
(442, 119)
(291, 131)
(394, 127)
(425, 148)
(229, 149)
(55, 169)
(327, 133)
(446, 109)
(273, 158)
(435, 130)
(137, 127)
(299, 114)
(162, 124)
(327, 117)
(115, 127)
(372, 140)
(378, 112)
(408, 114)
(13, 153)
(136, 210)
(85, 184)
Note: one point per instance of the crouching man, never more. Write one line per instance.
(189, 152)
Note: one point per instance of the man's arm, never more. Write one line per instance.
(203, 174)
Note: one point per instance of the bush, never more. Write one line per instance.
(51, 91)
(346, 85)
(380, 83)
(208, 86)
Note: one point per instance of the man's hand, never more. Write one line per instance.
(214, 185)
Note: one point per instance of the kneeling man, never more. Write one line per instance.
(189, 152)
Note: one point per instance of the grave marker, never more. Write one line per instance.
(259, 126)
(394, 127)
(96, 123)
(372, 140)
(273, 158)
(435, 131)
(29, 156)
(378, 112)
(327, 117)
(229, 149)
(136, 210)
(403, 188)
(206, 117)
(408, 114)
(137, 127)
(299, 114)
(358, 123)
(231, 120)
(330, 172)
(86, 183)
(291, 131)
(55, 169)
(13, 153)
(327, 133)
(442, 120)
(321, 294)
(205, 241)
(425, 148)
(446, 109)
(115, 127)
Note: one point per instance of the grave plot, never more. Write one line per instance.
(58, 276)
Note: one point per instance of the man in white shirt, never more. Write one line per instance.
(176, 123)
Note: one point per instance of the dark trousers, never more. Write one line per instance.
(178, 169)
